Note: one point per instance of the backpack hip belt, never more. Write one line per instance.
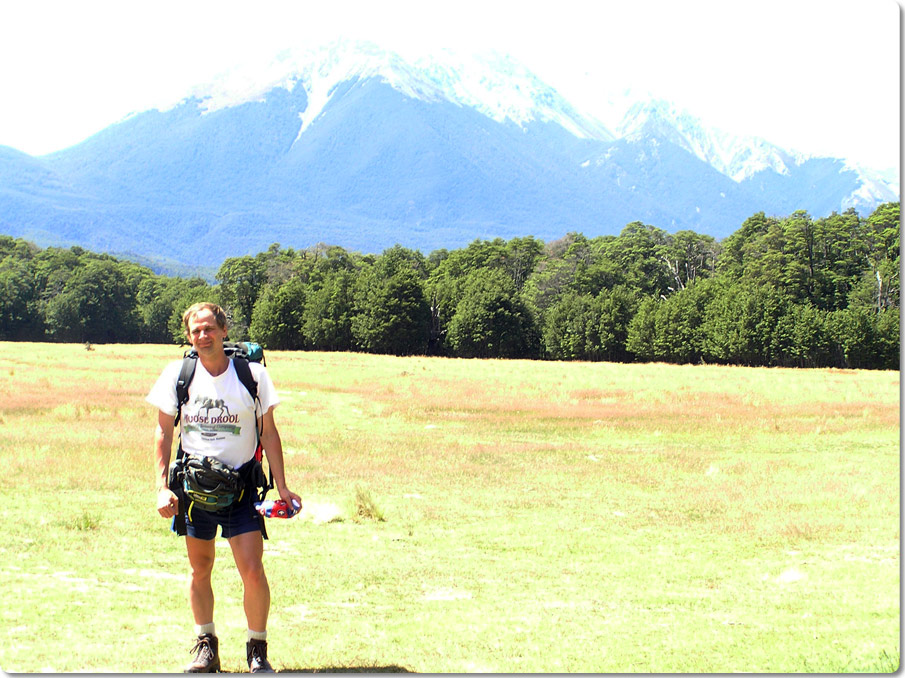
(209, 484)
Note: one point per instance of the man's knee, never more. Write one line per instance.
(201, 559)
(248, 553)
(252, 571)
(202, 570)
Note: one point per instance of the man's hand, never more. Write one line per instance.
(290, 498)
(167, 503)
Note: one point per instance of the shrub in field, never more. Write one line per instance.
(84, 522)
(365, 508)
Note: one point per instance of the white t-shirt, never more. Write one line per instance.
(219, 418)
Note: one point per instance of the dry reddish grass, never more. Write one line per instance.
(541, 517)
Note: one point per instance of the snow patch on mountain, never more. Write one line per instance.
(738, 157)
(504, 89)
(239, 86)
(493, 84)
(874, 188)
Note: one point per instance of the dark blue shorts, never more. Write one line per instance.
(236, 519)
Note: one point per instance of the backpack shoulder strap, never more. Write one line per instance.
(186, 373)
(243, 371)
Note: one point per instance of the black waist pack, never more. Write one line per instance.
(210, 484)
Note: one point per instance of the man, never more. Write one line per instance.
(215, 382)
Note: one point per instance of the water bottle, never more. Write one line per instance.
(277, 508)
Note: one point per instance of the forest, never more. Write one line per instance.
(791, 291)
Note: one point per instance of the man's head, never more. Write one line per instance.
(203, 321)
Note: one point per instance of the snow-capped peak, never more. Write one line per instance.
(502, 89)
(738, 157)
(873, 189)
(494, 85)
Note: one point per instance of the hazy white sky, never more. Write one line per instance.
(818, 76)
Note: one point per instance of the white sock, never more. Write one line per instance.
(201, 629)
(257, 635)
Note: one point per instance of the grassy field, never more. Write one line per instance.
(537, 517)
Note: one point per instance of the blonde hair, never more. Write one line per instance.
(195, 309)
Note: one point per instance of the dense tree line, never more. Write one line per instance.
(793, 291)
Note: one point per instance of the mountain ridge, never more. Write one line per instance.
(362, 148)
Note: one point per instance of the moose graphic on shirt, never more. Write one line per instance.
(208, 404)
(212, 426)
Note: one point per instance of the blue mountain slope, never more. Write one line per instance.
(377, 167)
(382, 155)
(814, 186)
(658, 183)
(185, 156)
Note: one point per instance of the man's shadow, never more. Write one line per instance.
(349, 669)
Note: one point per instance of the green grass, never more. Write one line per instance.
(471, 516)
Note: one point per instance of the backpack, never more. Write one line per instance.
(240, 354)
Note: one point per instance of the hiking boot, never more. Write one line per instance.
(207, 659)
(256, 653)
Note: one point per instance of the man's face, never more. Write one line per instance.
(205, 334)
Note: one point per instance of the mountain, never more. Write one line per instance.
(355, 146)
(736, 157)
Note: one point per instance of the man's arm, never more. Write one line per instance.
(273, 447)
(167, 502)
